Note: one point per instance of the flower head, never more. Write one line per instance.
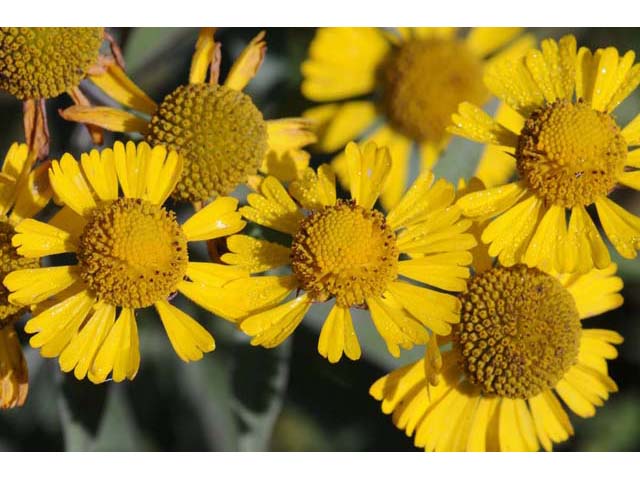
(217, 129)
(131, 253)
(570, 153)
(416, 76)
(519, 345)
(347, 251)
(23, 193)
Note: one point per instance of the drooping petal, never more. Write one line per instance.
(32, 195)
(14, 374)
(189, 339)
(119, 354)
(82, 349)
(117, 85)
(112, 119)
(338, 336)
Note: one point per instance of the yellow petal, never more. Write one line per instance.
(475, 124)
(622, 228)
(605, 65)
(69, 184)
(214, 274)
(314, 191)
(56, 326)
(109, 118)
(551, 420)
(218, 219)
(120, 351)
(509, 234)
(395, 325)
(34, 285)
(203, 55)
(547, 244)
(626, 80)
(254, 254)
(346, 122)
(273, 208)
(14, 374)
(189, 339)
(441, 270)
(218, 300)
(511, 82)
(289, 133)
(343, 63)
(16, 160)
(248, 63)
(485, 40)
(490, 202)
(163, 172)
(38, 239)
(272, 327)
(368, 170)
(595, 292)
(338, 336)
(630, 179)
(419, 199)
(511, 439)
(100, 170)
(575, 400)
(132, 164)
(437, 311)
(585, 243)
(256, 293)
(82, 349)
(117, 85)
(32, 194)
(631, 134)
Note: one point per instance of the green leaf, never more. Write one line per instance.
(260, 378)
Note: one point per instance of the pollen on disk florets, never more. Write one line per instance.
(132, 253)
(570, 154)
(424, 81)
(9, 262)
(344, 251)
(519, 331)
(43, 62)
(220, 133)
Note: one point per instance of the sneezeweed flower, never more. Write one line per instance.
(519, 346)
(23, 193)
(347, 251)
(131, 253)
(40, 63)
(416, 78)
(570, 153)
(217, 129)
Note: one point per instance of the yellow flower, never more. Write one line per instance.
(350, 252)
(518, 347)
(39, 63)
(23, 193)
(418, 76)
(570, 154)
(131, 253)
(217, 129)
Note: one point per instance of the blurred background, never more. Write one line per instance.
(288, 399)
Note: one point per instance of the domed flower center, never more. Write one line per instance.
(45, 62)
(9, 262)
(132, 253)
(220, 134)
(423, 82)
(519, 331)
(570, 154)
(346, 252)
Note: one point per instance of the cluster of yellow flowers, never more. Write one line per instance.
(494, 279)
